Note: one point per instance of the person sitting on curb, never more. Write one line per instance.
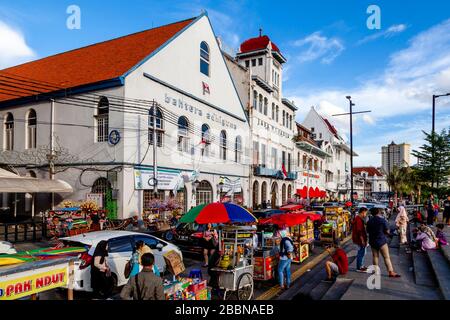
(338, 263)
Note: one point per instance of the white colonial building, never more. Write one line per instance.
(337, 167)
(374, 182)
(257, 70)
(105, 108)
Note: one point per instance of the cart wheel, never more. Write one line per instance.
(245, 287)
(169, 236)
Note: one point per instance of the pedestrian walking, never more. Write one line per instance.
(101, 280)
(377, 229)
(209, 242)
(401, 221)
(284, 265)
(446, 214)
(338, 263)
(430, 211)
(145, 285)
(359, 237)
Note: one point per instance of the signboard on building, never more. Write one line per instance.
(166, 179)
(28, 283)
(95, 197)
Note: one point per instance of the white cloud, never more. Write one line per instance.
(390, 32)
(400, 98)
(13, 47)
(317, 46)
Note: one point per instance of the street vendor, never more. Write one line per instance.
(286, 254)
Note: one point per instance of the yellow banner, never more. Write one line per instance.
(25, 286)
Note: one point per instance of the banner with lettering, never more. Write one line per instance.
(16, 288)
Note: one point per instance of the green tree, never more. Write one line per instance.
(434, 158)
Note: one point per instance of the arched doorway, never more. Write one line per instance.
(289, 191)
(283, 194)
(264, 193)
(101, 186)
(204, 193)
(274, 194)
(255, 194)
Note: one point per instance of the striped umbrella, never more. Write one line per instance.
(218, 213)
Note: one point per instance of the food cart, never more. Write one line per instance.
(336, 225)
(235, 268)
(236, 264)
(266, 254)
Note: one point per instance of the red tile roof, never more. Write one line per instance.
(257, 43)
(371, 171)
(98, 62)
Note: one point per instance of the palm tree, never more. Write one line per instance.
(395, 179)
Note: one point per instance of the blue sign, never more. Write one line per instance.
(114, 137)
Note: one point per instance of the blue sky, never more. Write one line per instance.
(331, 53)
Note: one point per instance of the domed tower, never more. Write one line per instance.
(264, 59)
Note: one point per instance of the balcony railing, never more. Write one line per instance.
(260, 170)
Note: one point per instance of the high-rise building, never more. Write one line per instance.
(395, 155)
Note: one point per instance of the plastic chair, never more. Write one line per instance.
(196, 273)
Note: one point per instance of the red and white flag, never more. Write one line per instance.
(205, 88)
(283, 169)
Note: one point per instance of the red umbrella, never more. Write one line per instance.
(317, 193)
(311, 192)
(312, 215)
(291, 207)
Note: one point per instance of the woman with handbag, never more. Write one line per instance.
(101, 280)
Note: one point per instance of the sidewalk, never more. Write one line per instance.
(404, 288)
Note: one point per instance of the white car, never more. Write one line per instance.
(120, 249)
(7, 248)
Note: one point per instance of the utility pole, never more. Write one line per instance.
(155, 147)
(350, 114)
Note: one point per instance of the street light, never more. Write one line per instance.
(351, 113)
(435, 96)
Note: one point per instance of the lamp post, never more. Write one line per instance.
(435, 96)
(351, 113)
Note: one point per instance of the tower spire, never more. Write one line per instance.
(260, 32)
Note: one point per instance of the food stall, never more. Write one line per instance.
(266, 253)
(236, 242)
(336, 225)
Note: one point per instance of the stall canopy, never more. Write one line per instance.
(12, 183)
(285, 219)
(291, 207)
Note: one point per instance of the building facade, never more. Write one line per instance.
(337, 167)
(311, 164)
(161, 100)
(395, 155)
(373, 181)
(272, 121)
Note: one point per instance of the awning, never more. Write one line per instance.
(291, 207)
(11, 183)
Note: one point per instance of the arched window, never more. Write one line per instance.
(31, 129)
(204, 193)
(290, 122)
(223, 145)
(9, 132)
(283, 194)
(273, 111)
(206, 138)
(260, 103)
(238, 149)
(204, 58)
(274, 195)
(101, 185)
(284, 118)
(264, 192)
(183, 134)
(277, 112)
(255, 99)
(289, 192)
(103, 119)
(255, 194)
(159, 126)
